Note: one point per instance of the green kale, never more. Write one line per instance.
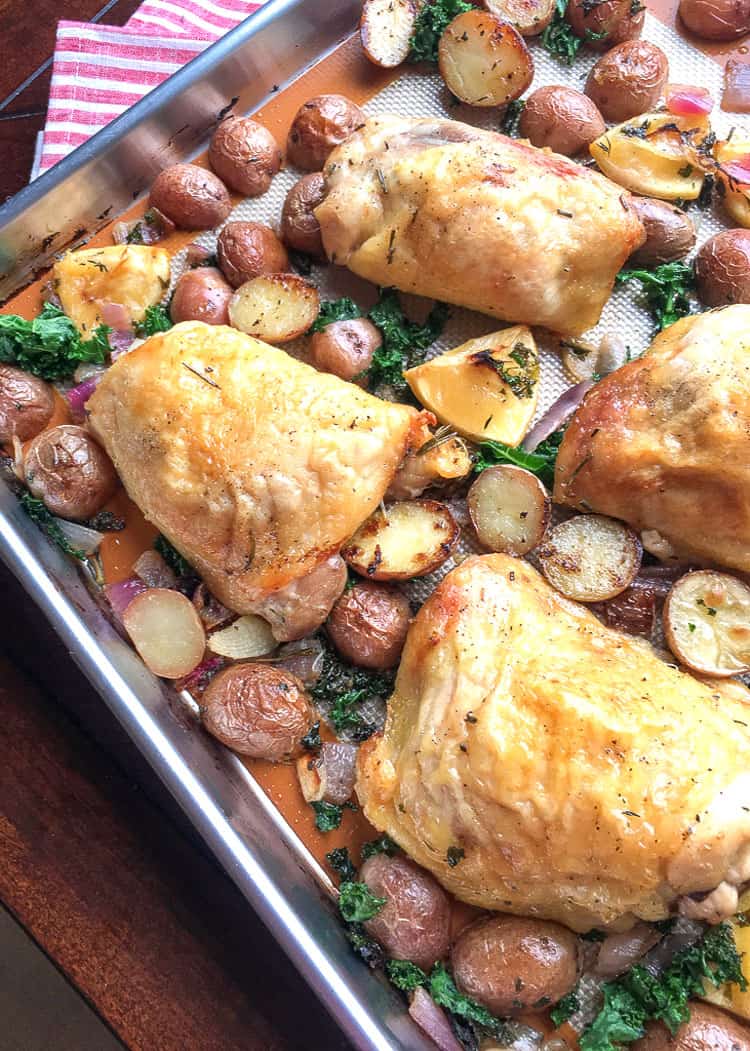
(382, 845)
(50, 346)
(558, 38)
(335, 310)
(364, 946)
(311, 741)
(156, 319)
(443, 991)
(173, 558)
(638, 996)
(667, 289)
(38, 513)
(357, 903)
(327, 815)
(342, 864)
(434, 17)
(343, 689)
(509, 125)
(564, 1008)
(403, 340)
(405, 975)
(107, 522)
(541, 462)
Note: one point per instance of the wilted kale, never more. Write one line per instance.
(156, 319)
(564, 1008)
(327, 815)
(343, 689)
(541, 462)
(434, 17)
(357, 903)
(439, 984)
(342, 864)
(403, 340)
(50, 346)
(173, 558)
(382, 845)
(558, 38)
(38, 513)
(331, 310)
(667, 288)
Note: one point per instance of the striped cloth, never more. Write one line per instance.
(98, 71)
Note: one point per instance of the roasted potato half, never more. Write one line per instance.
(509, 509)
(483, 60)
(590, 558)
(530, 17)
(707, 623)
(409, 539)
(166, 630)
(386, 28)
(27, 404)
(276, 307)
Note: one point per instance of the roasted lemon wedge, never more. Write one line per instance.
(486, 389)
(732, 157)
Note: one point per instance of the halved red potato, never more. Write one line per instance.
(166, 630)
(509, 509)
(386, 29)
(530, 17)
(707, 623)
(590, 558)
(409, 539)
(274, 307)
(483, 60)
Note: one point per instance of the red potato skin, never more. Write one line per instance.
(716, 19)
(69, 471)
(368, 625)
(670, 232)
(27, 404)
(247, 250)
(191, 197)
(345, 348)
(319, 125)
(708, 1029)
(561, 118)
(628, 80)
(245, 155)
(722, 269)
(300, 230)
(201, 295)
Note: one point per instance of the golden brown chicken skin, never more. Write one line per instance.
(586, 780)
(664, 442)
(474, 218)
(254, 465)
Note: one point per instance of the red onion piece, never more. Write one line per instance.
(155, 226)
(736, 95)
(557, 414)
(432, 1020)
(199, 678)
(78, 396)
(120, 342)
(685, 935)
(618, 952)
(738, 171)
(121, 594)
(120, 232)
(210, 610)
(151, 568)
(303, 658)
(116, 316)
(686, 100)
(338, 770)
(196, 254)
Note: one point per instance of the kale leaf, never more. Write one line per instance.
(342, 864)
(156, 319)
(173, 558)
(559, 39)
(403, 340)
(342, 689)
(335, 310)
(357, 903)
(39, 514)
(667, 288)
(509, 125)
(541, 462)
(443, 991)
(382, 845)
(405, 975)
(565, 1007)
(327, 815)
(311, 742)
(434, 17)
(50, 346)
(364, 946)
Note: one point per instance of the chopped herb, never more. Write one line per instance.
(173, 558)
(509, 125)
(364, 946)
(343, 689)
(341, 863)
(520, 372)
(357, 903)
(434, 17)
(667, 288)
(638, 997)
(541, 462)
(405, 975)
(212, 261)
(39, 514)
(156, 319)
(564, 1008)
(691, 627)
(686, 172)
(403, 340)
(709, 609)
(454, 855)
(50, 346)
(335, 310)
(636, 131)
(135, 234)
(558, 38)
(327, 815)
(106, 522)
(311, 741)
(382, 845)
(591, 37)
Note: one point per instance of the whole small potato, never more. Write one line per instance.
(617, 20)
(191, 197)
(628, 80)
(716, 19)
(257, 710)
(562, 119)
(69, 471)
(300, 229)
(319, 125)
(201, 295)
(245, 155)
(708, 1029)
(512, 964)
(414, 923)
(670, 233)
(247, 250)
(368, 625)
(26, 404)
(345, 348)
(722, 269)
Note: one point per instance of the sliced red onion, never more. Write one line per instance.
(196, 254)
(151, 568)
(116, 316)
(618, 952)
(736, 95)
(120, 342)
(684, 936)
(82, 538)
(686, 100)
(210, 610)
(78, 396)
(738, 171)
(338, 770)
(433, 1020)
(303, 658)
(156, 226)
(121, 232)
(557, 414)
(122, 593)
(199, 678)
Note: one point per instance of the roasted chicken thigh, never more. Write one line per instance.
(474, 218)
(584, 779)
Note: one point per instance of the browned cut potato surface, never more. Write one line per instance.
(603, 25)
(319, 125)
(670, 233)
(628, 80)
(590, 558)
(483, 60)
(192, 197)
(368, 625)
(247, 250)
(561, 118)
(276, 308)
(245, 155)
(716, 19)
(386, 29)
(409, 539)
(509, 509)
(722, 269)
(707, 623)
(201, 295)
(300, 230)
(26, 404)
(530, 17)
(67, 469)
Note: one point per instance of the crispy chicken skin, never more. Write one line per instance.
(476, 219)
(586, 780)
(664, 442)
(255, 466)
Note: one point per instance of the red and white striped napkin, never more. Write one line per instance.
(98, 71)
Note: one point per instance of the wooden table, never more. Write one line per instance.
(95, 861)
